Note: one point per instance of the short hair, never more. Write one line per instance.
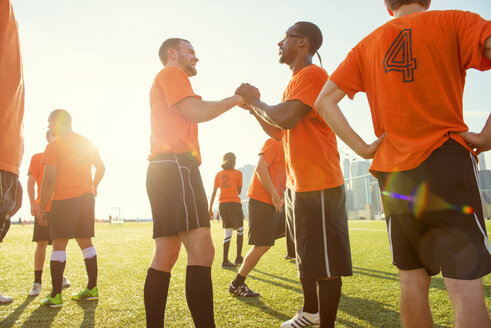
(228, 161)
(395, 4)
(61, 118)
(172, 43)
(312, 33)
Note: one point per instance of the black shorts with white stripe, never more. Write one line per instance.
(8, 191)
(320, 229)
(434, 215)
(231, 214)
(177, 196)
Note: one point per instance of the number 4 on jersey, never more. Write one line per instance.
(399, 57)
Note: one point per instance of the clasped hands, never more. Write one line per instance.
(249, 94)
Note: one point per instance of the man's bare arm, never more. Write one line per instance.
(487, 48)
(327, 106)
(31, 183)
(47, 188)
(198, 111)
(284, 115)
(265, 179)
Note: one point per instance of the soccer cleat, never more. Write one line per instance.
(5, 299)
(86, 295)
(35, 290)
(227, 264)
(239, 260)
(302, 319)
(288, 257)
(242, 291)
(66, 283)
(53, 302)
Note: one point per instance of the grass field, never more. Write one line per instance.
(370, 296)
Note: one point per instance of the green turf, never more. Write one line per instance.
(370, 297)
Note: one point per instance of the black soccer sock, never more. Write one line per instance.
(226, 246)
(91, 268)
(329, 294)
(57, 265)
(240, 241)
(37, 276)
(309, 295)
(239, 280)
(199, 294)
(90, 259)
(155, 297)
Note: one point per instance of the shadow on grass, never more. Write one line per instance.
(296, 281)
(43, 316)
(278, 284)
(89, 308)
(436, 282)
(256, 302)
(12, 317)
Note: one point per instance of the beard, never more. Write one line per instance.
(188, 68)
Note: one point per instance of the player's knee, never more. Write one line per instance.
(42, 245)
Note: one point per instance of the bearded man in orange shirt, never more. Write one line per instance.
(175, 188)
(412, 70)
(315, 198)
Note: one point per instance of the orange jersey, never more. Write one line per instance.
(171, 131)
(73, 155)
(275, 157)
(413, 71)
(229, 181)
(11, 92)
(36, 169)
(311, 155)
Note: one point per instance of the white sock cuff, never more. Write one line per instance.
(59, 256)
(89, 252)
(228, 233)
(240, 230)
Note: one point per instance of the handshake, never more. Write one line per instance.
(248, 94)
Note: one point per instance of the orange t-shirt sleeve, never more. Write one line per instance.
(306, 88)
(473, 31)
(176, 85)
(50, 156)
(348, 75)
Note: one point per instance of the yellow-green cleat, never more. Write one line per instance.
(53, 302)
(86, 295)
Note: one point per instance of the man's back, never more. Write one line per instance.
(414, 79)
(73, 156)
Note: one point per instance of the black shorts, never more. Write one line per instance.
(8, 190)
(264, 223)
(434, 215)
(42, 233)
(177, 196)
(72, 217)
(232, 215)
(319, 226)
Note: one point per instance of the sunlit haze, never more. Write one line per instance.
(97, 59)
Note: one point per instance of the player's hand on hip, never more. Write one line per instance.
(369, 150)
(475, 141)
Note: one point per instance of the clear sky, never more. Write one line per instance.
(98, 58)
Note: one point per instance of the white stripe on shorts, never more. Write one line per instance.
(328, 270)
(183, 193)
(389, 232)
(192, 191)
(476, 175)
